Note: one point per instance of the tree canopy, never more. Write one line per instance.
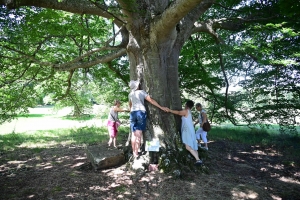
(61, 47)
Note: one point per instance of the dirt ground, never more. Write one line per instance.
(237, 171)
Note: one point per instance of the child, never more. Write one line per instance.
(113, 122)
(188, 131)
(201, 120)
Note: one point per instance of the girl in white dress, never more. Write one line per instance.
(188, 131)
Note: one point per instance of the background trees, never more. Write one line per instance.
(33, 39)
(259, 56)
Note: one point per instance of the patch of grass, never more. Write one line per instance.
(32, 115)
(79, 118)
(121, 189)
(27, 192)
(37, 150)
(57, 189)
(43, 139)
(255, 136)
(72, 174)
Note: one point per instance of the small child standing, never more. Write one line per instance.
(113, 122)
(202, 118)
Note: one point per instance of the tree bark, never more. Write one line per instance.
(153, 51)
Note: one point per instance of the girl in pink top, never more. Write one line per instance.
(113, 122)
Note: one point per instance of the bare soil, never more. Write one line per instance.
(237, 171)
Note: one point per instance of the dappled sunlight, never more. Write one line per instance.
(268, 152)
(235, 158)
(47, 165)
(259, 152)
(103, 189)
(78, 164)
(239, 172)
(243, 192)
(44, 144)
(276, 166)
(275, 197)
(263, 169)
(16, 162)
(229, 156)
(193, 185)
(80, 158)
(113, 185)
(31, 196)
(288, 180)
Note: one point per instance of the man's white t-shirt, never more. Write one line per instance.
(137, 98)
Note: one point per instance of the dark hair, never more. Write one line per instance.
(198, 105)
(189, 104)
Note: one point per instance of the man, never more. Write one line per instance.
(138, 113)
(202, 118)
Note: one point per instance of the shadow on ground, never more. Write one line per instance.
(237, 171)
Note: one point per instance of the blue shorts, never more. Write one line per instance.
(138, 120)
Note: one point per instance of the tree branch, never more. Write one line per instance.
(209, 86)
(166, 22)
(73, 6)
(186, 24)
(119, 75)
(71, 73)
(128, 8)
(75, 64)
(29, 57)
(16, 78)
(226, 8)
(117, 16)
(102, 59)
(231, 24)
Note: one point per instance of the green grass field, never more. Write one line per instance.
(51, 138)
(93, 135)
(257, 137)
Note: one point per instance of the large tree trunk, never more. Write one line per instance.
(155, 64)
(153, 53)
